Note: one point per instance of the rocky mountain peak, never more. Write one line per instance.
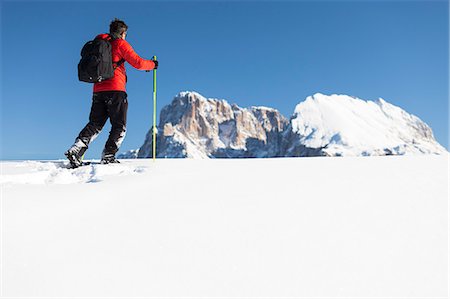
(323, 125)
(207, 127)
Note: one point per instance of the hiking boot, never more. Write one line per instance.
(108, 159)
(75, 153)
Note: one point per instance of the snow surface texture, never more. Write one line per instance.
(196, 127)
(289, 227)
(34, 172)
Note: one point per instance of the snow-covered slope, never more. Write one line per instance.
(318, 227)
(340, 125)
(337, 125)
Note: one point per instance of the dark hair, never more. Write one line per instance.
(117, 28)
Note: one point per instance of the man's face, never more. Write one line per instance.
(124, 35)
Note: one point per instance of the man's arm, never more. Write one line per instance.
(134, 59)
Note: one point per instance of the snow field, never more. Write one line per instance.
(290, 227)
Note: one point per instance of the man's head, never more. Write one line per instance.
(118, 28)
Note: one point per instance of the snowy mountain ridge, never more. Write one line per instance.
(347, 126)
(194, 126)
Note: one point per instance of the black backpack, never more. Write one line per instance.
(96, 63)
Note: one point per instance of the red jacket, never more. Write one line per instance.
(121, 49)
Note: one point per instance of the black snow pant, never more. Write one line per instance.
(112, 105)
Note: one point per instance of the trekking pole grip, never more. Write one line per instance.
(153, 58)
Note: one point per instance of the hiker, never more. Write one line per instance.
(110, 98)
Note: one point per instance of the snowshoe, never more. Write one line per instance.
(74, 160)
(75, 153)
(109, 159)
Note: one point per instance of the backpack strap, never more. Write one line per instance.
(118, 63)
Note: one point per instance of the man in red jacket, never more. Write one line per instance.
(110, 99)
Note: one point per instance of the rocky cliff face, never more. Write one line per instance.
(193, 126)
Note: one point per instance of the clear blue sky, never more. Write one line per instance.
(251, 53)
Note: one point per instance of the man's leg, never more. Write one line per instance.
(117, 111)
(97, 119)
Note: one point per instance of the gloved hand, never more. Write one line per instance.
(156, 66)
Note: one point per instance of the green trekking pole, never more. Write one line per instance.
(154, 112)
